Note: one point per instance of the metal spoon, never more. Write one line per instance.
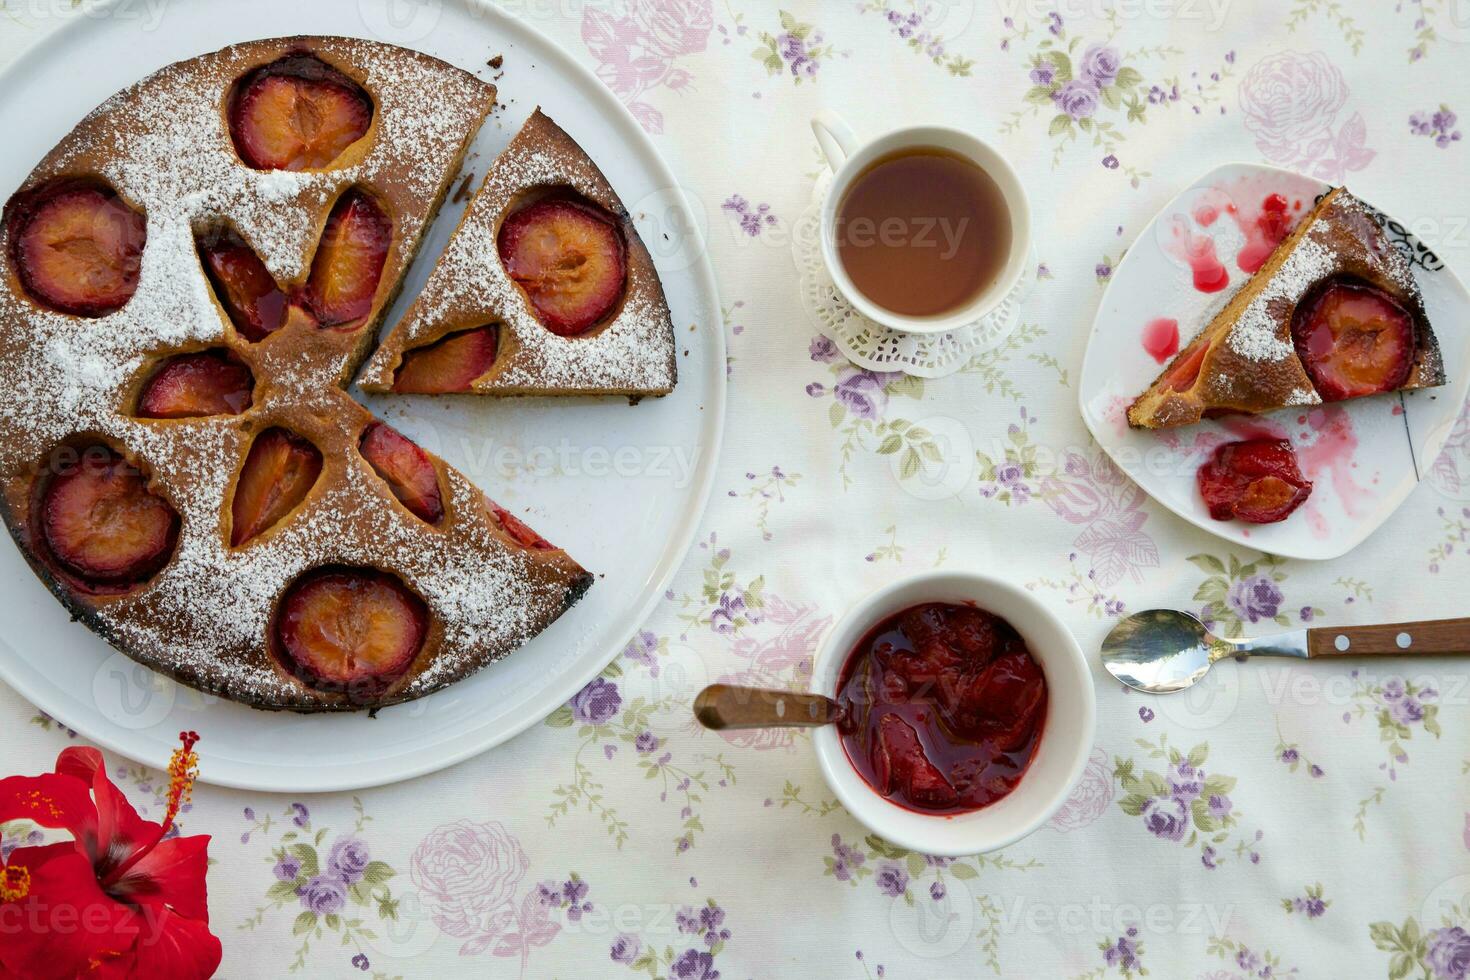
(1164, 650)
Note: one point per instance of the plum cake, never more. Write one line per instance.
(192, 276)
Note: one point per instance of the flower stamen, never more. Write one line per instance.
(15, 883)
(183, 769)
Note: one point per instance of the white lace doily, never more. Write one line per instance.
(874, 346)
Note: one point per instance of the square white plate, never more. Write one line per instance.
(1363, 456)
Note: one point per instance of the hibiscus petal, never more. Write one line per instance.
(65, 921)
(168, 946)
(117, 830)
(172, 874)
(49, 799)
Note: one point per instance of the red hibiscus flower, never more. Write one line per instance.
(120, 899)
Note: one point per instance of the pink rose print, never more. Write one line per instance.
(1097, 496)
(673, 27)
(1290, 102)
(1450, 474)
(636, 51)
(467, 875)
(780, 655)
(1090, 800)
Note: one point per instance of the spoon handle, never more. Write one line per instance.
(727, 706)
(1423, 637)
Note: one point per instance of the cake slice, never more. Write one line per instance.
(1333, 314)
(545, 288)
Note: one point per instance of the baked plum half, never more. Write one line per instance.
(77, 247)
(297, 113)
(350, 630)
(101, 523)
(569, 256)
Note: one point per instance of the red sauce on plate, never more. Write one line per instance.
(943, 708)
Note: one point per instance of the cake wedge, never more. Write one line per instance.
(545, 288)
(1333, 314)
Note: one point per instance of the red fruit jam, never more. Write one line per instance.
(942, 708)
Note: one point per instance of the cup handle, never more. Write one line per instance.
(834, 136)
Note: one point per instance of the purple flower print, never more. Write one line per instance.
(361, 962)
(1449, 953)
(1044, 75)
(1103, 270)
(625, 948)
(597, 702)
(688, 920)
(1146, 714)
(892, 880)
(711, 917)
(1077, 98)
(1255, 599)
(723, 618)
(1111, 162)
(1406, 710)
(752, 218)
(323, 895)
(646, 742)
(1393, 689)
(1438, 125)
(790, 47)
(1101, 64)
(936, 891)
(1165, 817)
(1186, 782)
(287, 868)
(823, 350)
(1124, 953)
(1220, 806)
(845, 859)
(348, 860)
(861, 393)
(644, 650)
(694, 964)
(1289, 756)
(301, 816)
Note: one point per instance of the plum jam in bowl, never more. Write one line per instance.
(967, 712)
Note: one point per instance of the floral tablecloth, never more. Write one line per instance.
(1290, 819)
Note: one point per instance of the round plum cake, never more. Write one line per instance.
(192, 278)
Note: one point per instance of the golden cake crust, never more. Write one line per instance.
(1251, 364)
(630, 353)
(164, 146)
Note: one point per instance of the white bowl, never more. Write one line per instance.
(1066, 737)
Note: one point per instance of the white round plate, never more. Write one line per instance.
(622, 488)
(1363, 457)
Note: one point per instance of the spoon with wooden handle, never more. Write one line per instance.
(1164, 650)
(728, 706)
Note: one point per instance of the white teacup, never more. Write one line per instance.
(849, 158)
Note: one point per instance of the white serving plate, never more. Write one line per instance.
(1363, 456)
(629, 516)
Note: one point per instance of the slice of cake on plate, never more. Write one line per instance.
(545, 288)
(1333, 314)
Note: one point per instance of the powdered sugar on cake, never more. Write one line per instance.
(165, 148)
